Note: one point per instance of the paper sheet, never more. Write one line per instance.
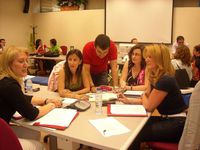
(59, 117)
(109, 126)
(127, 109)
(105, 96)
(68, 101)
(136, 93)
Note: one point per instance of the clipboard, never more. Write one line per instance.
(126, 110)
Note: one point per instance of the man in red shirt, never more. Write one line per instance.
(96, 55)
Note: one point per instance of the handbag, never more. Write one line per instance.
(182, 78)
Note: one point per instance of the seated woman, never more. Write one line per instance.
(40, 50)
(162, 93)
(14, 63)
(195, 66)
(182, 59)
(72, 79)
(133, 73)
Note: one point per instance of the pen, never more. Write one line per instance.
(104, 132)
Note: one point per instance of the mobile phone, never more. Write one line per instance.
(36, 89)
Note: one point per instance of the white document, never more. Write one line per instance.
(58, 117)
(68, 101)
(17, 115)
(135, 93)
(109, 126)
(105, 96)
(124, 109)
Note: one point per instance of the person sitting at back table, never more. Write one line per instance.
(180, 40)
(133, 72)
(40, 50)
(14, 63)
(163, 93)
(2, 45)
(54, 48)
(182, 59)
(195, 66)
(96, 55)
(134, 41)
(72, 79)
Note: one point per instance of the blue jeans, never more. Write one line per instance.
(100, 79)
(161, 130)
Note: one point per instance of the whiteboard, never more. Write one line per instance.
(150, 21)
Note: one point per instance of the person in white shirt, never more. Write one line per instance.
(182, 60)
(180, 40)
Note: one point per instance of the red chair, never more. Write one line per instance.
(163, 146)
(64, 49)
(8, 139)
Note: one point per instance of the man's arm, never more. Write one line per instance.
(113, 65)
(87, 70)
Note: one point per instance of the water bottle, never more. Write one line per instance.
(29, 85)
(98, 101)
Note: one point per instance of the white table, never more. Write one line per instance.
(81, 131)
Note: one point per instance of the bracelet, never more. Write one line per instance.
(45, 101)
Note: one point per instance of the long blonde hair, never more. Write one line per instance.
(160, 54)
(6, 60)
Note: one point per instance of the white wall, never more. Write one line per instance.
(70, 28)
(186, 23)
(14, 24)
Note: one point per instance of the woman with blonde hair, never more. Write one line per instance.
(14, 63)
(164, 95)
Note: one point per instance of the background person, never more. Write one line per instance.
(182, 59)
(96, 55)
(2, 45)
(180, 40)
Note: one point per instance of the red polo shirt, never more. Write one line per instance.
(98, 65)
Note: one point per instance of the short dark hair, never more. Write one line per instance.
(102, 41)
(37, 43)
(2, 40)
(197, 48)
(180, 38)
(53, 41)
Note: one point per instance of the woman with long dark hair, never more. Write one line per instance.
(70, 80)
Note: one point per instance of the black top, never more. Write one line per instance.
(173, 103)
(12, 99)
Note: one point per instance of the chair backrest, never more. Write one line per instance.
(53, 78)
(64, 49)
(8, 139)
(191, 133)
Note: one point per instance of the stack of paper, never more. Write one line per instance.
(105, 96)
(109, 126)
(126, 110)
(133, 93)
(68, 101)
(58, 118)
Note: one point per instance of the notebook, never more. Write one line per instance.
(126, 110)
(58, 118)
(133, 93)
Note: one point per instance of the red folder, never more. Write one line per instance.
(109, 113)
(58, 127)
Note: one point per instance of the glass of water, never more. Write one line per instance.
(98, 103)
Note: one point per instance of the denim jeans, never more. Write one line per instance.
(100, 79)
(161, 130)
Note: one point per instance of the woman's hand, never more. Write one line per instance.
(57, 102)
(83, 97)
(93, 89)
(123, 98)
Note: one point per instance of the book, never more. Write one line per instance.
(58, 118)
(105, 96)
(126, 110)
